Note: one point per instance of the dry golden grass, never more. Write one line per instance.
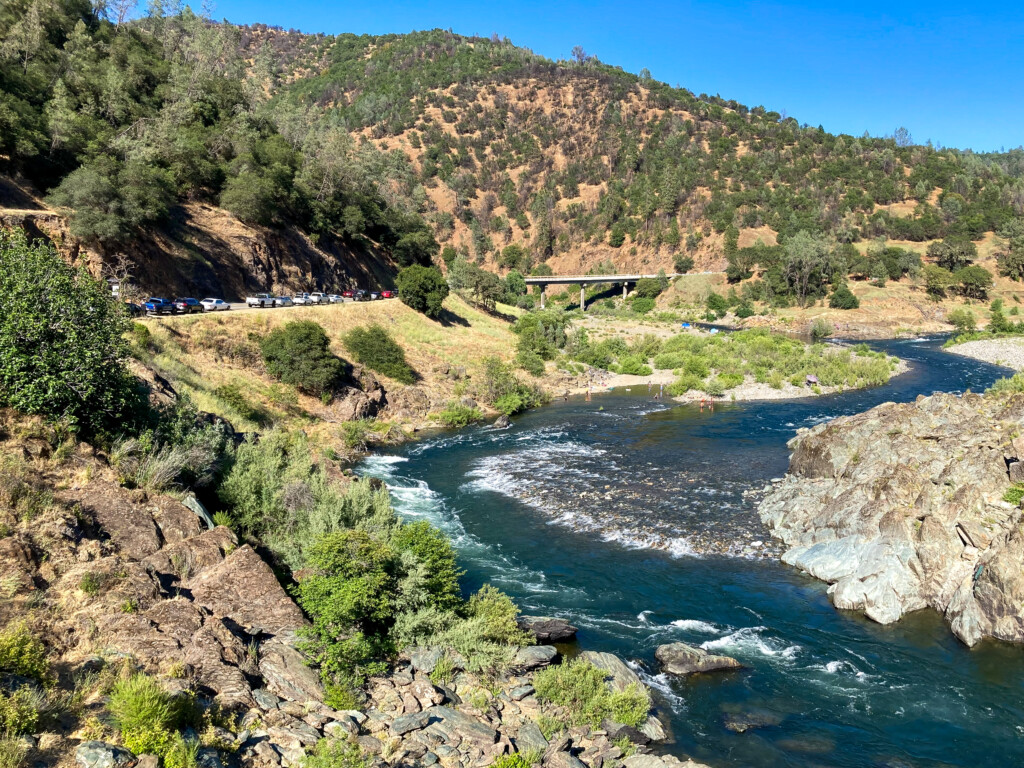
(202, 354)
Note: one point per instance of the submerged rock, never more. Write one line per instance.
(683, 659)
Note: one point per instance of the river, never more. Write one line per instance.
(636, 519)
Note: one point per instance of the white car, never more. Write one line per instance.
(319, 298)
(213, 305)
(303, 298)
(335, 298)
(284, 301)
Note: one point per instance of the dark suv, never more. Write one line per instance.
(187, 306)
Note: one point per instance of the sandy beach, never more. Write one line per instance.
(1008, 352)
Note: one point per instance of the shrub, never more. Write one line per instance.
(434, 551)
(634, 366)
(962, 319)
(744, 310)
(1014, 494)
(821, 329)
(375, 348)
(336, 753)
(456, 415)
(973, 282)
(683, 263)
(504, 391)
(843, 298)
(19, 711)
(145, 714)
(298, 353)
(13, 751)
(684, 384)
(580, 687)
(717, 304)
(1008, 385)
(21, 653)
(62, 340)
(530, 362)
(642, 305)
(423, 289)
(182, 752)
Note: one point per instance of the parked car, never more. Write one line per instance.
(374, 295)
(157, 306)
(360, 295)
(187, 306)
(214, 305)
(388, 294)
(319, 298)
(335, 298)
(133, 309)
(264, 300)
(285, 301)
(349, 294)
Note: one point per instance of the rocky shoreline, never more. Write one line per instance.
(902, 507)
(1007, 352)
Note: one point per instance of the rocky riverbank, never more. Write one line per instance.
(116, 581)
(1008, 352)
(902, 507)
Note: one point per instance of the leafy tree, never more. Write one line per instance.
(937, 281)
(62, 345)
(953, 253)
(515, 284)
(422, 288)
(298, 353)
(843, 298)
(683, 264)
(973, 282)
(962, 319)
(648, 288)
(717, 304)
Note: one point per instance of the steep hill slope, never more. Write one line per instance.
(581, 162)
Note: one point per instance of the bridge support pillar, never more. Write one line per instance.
(542, 296)
(625, 290)
(583, 298)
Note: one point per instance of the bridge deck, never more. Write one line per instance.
(567, 279)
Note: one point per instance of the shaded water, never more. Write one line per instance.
(613, 512)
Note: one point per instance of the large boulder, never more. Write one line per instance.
(99, 754)
(900, 508)
(287, 674)
(548, 630)
(683, 659)
(243, 588)
(535, 656)
(619, 675)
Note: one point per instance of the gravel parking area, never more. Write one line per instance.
(1008, 352)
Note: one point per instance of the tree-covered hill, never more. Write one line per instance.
(415, 146)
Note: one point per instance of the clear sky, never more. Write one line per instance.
(950, 72)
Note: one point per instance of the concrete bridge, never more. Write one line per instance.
(584, 280)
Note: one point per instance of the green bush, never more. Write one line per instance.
(19, 711)
(642, 305)
(505, 391)
(717, 304)
(13, 751)
(1014, 494)
(423, 289)
(146, 715)
(62, 340)
(456, 415)
(580, 687)
(1007, 385)
(182, 752)
(843, 298)
(962, 319)
(530, 362)
(821, 329)
(684, 384)
(336, 753)
(375, 348)
(298, 353)
(21, 653)
(634, 366)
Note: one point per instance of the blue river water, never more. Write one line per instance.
(636, 519)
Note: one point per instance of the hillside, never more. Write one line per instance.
(224, 159)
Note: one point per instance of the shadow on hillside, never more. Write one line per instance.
(448, 318)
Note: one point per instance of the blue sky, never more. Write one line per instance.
(950, 72)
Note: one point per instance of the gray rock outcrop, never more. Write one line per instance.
(548, 630)
(901, 508)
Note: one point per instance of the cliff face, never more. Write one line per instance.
(901, 508)
(205, 251)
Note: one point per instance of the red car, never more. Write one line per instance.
(349, 294)
(388, 294)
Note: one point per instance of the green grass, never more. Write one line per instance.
(580, 687)
(716, 364)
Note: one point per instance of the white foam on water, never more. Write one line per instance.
(695, 625)
(749, 642)
(660, 683)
